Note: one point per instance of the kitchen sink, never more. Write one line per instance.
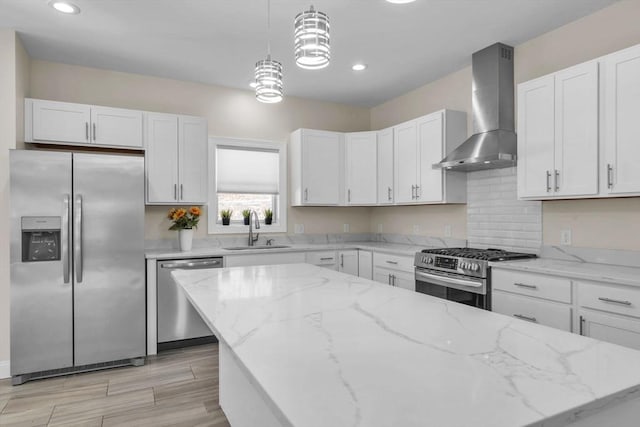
(243, 248)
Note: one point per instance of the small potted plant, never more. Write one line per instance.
(246, 214)
(225, 214)
(268, 216)
(184, 220)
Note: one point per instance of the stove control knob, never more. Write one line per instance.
(463, 265)
(475, 267)
(429, 260)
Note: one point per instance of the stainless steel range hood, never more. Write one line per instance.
(493, 144)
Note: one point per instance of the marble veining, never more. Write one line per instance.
(615, 274)
(619, 257)
(328, 349)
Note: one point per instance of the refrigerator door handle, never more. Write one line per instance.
(66, 259)
(77, 238)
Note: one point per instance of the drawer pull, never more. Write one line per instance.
(524, 285)
(392, 262)
(615, 301)
(326, 259)
(527, 318)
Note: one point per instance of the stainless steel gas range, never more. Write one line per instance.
(460, 274)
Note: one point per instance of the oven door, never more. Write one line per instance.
(453, 287)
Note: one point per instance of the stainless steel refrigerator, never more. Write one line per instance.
(77, 262)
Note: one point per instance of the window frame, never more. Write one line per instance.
(280, 225)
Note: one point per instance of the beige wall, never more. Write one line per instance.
(230, 112)
(605, 223)
(431, 220)
(14, 77)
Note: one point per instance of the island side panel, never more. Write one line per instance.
(152, 308)
(240, 401)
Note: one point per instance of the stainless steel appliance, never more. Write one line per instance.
(179, 324)
(460, 274)
(493, 143)
(77, 262)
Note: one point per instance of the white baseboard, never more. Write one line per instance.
(5, 371)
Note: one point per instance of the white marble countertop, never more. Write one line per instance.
(329, 349)
(576, 270)
(392, 248)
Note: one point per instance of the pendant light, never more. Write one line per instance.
(268, 72)
(311, 38)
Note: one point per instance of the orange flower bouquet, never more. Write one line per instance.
(184, 219)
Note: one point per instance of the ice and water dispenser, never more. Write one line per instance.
(41, 238)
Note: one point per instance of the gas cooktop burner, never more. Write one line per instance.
(481, 254)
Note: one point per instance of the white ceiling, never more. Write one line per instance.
(219, 41)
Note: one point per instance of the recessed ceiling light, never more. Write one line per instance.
(400, 1)
(65, 7)
(359, 67)
(253, 84)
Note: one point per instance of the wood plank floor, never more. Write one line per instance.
(175, 388)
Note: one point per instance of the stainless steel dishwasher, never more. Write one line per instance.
(179, 324)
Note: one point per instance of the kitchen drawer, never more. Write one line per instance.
(533, 310)
(322, 258)
(395, 262)
(614, 299)
(535, 285)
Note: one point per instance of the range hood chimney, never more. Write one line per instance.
(493, 144)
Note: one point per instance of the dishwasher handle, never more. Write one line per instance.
(209, 263)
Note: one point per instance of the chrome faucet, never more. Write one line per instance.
(253, 219)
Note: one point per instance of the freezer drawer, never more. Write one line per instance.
(177, 319)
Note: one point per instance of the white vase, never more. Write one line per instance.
(185, 238)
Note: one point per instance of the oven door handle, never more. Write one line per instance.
(421, 275)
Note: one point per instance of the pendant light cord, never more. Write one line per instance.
(268, 28)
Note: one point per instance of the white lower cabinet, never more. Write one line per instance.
(326, 259)
(348, 262)
(394, 270)
(533, 310)
(612, 328)
(264, 259)
(365, 264)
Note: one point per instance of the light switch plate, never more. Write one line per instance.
(565, 237)
(416, 229)
(447, 230)
(379, 228)
(345, 228)
(298, 228)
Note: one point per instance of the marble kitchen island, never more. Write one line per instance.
(305, 346)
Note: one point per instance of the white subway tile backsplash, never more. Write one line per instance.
(495, 216)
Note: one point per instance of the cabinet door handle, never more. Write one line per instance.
(389, 193)
(524, 285)
(349, 195)
(393, 280)
(418, 194)
(86, 130)
(527, 318)
(615, 301)
(181, 192)
(581, 325)
(548, 181)
(389, 280)
(306, 194)
(392, 262)
(556, 178)
(413, 192)
(341, 260)
(94, 131)
(175, 191)
(609, 175)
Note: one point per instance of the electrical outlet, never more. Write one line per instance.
(447, 230)
(416, 229)
(565, 237)
(379, 228)
(298, 228)
(345, 228)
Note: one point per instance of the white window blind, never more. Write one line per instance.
(247, 170)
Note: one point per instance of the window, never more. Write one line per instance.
(247, 175)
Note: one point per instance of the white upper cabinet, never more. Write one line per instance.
(418, 145)
(317, 172)
(192, 144)
(385, 167)
(116, 126)
(176, 159)
(621, 122)
(536, 136)
(360, 168)
(66, 123)
(558, 134)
